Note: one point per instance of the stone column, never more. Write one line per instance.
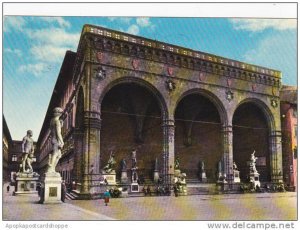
(227, 153)
(91, 150)
(276, 156)
(168, 150)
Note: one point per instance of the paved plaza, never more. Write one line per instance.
(264, 206)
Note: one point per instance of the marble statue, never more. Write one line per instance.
(28, 150)
(176, 164)
(56, 139)
(133, 157)
(235, 166)
(202, 166)
(253, 159)
(123, 165)
(110, 166)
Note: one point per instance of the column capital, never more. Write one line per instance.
(168, 123)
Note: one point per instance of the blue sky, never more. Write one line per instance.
(34, 47)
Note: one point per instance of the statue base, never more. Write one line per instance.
(155, 176)
(51, 188)
(26, 183)
(124, 177)
(203, 177)
(236, 176)
(110, 178)
(134, 187)
(254, 178)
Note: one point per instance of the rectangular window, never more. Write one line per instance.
(14, 158)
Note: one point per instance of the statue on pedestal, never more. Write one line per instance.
(56, 139)
(133, 158)
(253, 162)
(123, 165)
(28, 151)
(176, 164)
(110, 166)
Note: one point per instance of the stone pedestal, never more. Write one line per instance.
(51, 188)
(236, 176)
(110, 178)
(124, 177)
(254, 178)
(203, 177)
(26, 183)
(155, 176)
(134, 187)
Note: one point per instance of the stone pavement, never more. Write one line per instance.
(26, 207)
(262, 206)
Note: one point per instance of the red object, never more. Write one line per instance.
(99, 56)
(106, 200)
(170, 70)
(135, 63)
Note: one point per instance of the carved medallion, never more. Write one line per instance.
(254, 87)
(135, 63)
(202, 76)
(170, 85)
(99, 56)
(100, 73)
(229, 82)
(170, 71)
(229, 95)
(274, 103)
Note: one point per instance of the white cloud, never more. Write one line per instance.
(13, 51)
(48, 53)
(143, 22)
(133, 29)
(35, 69)
(277, 52)
(61, 22)
(56, 36)
(257, 25)
(13, 22)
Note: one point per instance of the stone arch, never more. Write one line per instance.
(160, 98)
(253, 123)
(199, 119)
(264, 108)
(212, 97)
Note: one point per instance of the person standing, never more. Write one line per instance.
(7, 188)
(106, 197)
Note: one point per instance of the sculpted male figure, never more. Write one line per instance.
(27, 149)
(56, 139)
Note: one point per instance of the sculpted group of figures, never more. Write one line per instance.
(56, 141)
(111, 163)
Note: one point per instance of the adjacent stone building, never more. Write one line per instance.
(289, 124)
(121, 92)
(6, 148)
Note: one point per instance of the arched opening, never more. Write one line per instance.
(131, 119)
(251, 132)
(198, 136)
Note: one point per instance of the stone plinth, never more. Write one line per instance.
(124, 177)
(134, 187)
(254, 178)
(203, 177)
(51, 188)
(156, 176)
(236, 176)
(110, 178)
(26, 183)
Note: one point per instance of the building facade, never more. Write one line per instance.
(6, 148)
(122, 92)
(289, 122)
